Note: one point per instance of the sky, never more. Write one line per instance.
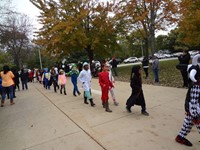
(26, 7)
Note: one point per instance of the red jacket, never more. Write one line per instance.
(104, 80)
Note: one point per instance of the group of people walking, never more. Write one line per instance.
(9, 82)
(84, 77)
(57, 78)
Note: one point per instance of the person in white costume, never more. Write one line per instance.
(85, 78)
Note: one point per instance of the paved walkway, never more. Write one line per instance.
(44, 120)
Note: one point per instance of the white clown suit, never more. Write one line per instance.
(192, 103)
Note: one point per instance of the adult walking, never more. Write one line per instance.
(114, 66)
(145, 65)
(184, 59)
(137, 96)
(7, 84)
(24, 79)
(155, 69)
(16, 79)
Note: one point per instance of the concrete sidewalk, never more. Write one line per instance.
(44, 120)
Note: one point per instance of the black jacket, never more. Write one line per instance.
(184, 59)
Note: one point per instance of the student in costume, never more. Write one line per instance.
(62, 80)
(105, 84)
(85, 78)
(137, 96)
(112, 80)
(192, 103)
(74, 75)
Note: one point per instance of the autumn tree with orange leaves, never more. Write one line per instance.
(71, 26)
(190, 22)
(146, 17)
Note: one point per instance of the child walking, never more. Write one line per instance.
(137, 96)
(85, 78)
(74, 75)
(54, 79)
(112, 80)
(105, 84)
(62, 81)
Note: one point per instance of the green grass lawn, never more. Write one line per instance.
(168, 74)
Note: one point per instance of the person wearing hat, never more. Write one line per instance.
(105, 84)
(192, 103)
(74, 75)
(85, 78)
(137, 96)
(62, 81)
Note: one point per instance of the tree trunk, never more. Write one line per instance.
(152, 27)
(90, 53)
(146, 46)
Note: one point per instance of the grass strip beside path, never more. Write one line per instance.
(168, 74)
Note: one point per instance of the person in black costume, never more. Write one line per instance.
(184, 60)
(137, 96)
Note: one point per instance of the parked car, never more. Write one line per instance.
(131, 60)
(141, 58)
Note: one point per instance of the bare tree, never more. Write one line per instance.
(14, 37)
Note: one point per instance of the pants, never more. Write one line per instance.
(74, 82)
(24, 83)
(62, 88)
(136, 99)
(115, 71)
(17, 86)
(112, 94)
(55, 85)
(46, 84)
(187, 126)
(87, 95)
(4, 91)
(146, 72)
(156, 77)
(185, 77)
(104, 94)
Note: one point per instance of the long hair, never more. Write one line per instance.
(6, 69)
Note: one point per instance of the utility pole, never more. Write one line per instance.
(40, 59)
